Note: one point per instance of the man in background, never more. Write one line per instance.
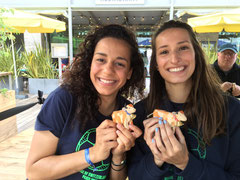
(227, 69)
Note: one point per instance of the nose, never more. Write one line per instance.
(175, 57)
(109, 68)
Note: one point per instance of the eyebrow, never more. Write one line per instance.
(181, 42)
(103, 54)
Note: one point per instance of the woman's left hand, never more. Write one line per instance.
(172, 147)
(126, 139)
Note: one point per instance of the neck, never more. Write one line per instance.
(107, 106)
(178, 93)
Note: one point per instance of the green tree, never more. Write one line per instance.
(5, 31)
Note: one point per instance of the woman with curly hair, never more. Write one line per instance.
(75, 137)
(207, 146)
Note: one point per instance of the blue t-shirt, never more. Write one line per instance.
(220, 160)
(57, 116)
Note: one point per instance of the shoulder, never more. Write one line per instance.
(233, 109)
(58, 97)
(233, 104)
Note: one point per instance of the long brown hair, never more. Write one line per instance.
(205, 105)
(77, 78)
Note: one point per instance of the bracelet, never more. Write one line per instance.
(122, 163)
(117, 169)
(86, 152)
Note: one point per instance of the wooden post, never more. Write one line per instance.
(8, 127)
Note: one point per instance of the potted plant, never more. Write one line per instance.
(6, 65)
(40, 70)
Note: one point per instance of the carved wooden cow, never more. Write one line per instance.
(173, 118)
(124, 116)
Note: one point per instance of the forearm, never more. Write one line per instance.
(118, 168)
(57, 166)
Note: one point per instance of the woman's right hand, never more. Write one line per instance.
(150, 126)
(106, 139)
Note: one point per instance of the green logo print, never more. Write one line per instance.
(85, 139)
(201, 148)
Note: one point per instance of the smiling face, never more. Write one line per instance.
(110, 66)
(175, 56)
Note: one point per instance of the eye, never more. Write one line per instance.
(183, 48)
(119, 64)
(163, 52)
(100, 60)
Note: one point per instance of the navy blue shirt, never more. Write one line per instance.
(220, 160)
(57, 116)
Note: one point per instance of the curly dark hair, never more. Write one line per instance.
(77, 78)
(205, 101)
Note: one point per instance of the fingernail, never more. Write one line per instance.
(156, 129)
(153, 141)
(164, 121)
(160, 122)
(160, 118)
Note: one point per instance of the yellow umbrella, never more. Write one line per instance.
(228, 21)
(21, 21)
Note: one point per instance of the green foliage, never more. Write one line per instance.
(3, 92)
(6, 59)
(38, 64)
(210, 53)
(5, 31)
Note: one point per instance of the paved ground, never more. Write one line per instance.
(14, 150)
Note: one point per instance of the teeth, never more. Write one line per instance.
(176, 69)
(106, 81)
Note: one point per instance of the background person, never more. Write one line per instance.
(75, 137)
(227, 69)
(207, 146)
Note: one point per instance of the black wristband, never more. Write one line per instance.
(118, 169)
(122, 163)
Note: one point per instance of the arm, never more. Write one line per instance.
(141, 163)
(126, 140)
(226, 86)
(235, 90)
(145, 163)
(42, 163)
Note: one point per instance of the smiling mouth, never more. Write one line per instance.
(106, 81)
(178, 69)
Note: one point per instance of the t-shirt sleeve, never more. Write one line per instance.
(55, 112)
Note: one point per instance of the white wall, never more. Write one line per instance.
(31, 40)
(148, 4)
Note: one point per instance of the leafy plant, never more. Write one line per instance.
(210, 53)
(5, 31)
(38, 64)
(6, 59)
(4, 92)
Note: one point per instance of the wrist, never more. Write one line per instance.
(92, 155)
(159, 163)
(88, 160)
(183, 165)
(117, 159)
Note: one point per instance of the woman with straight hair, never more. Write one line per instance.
(207, 146)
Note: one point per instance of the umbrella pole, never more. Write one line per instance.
(15, 69)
